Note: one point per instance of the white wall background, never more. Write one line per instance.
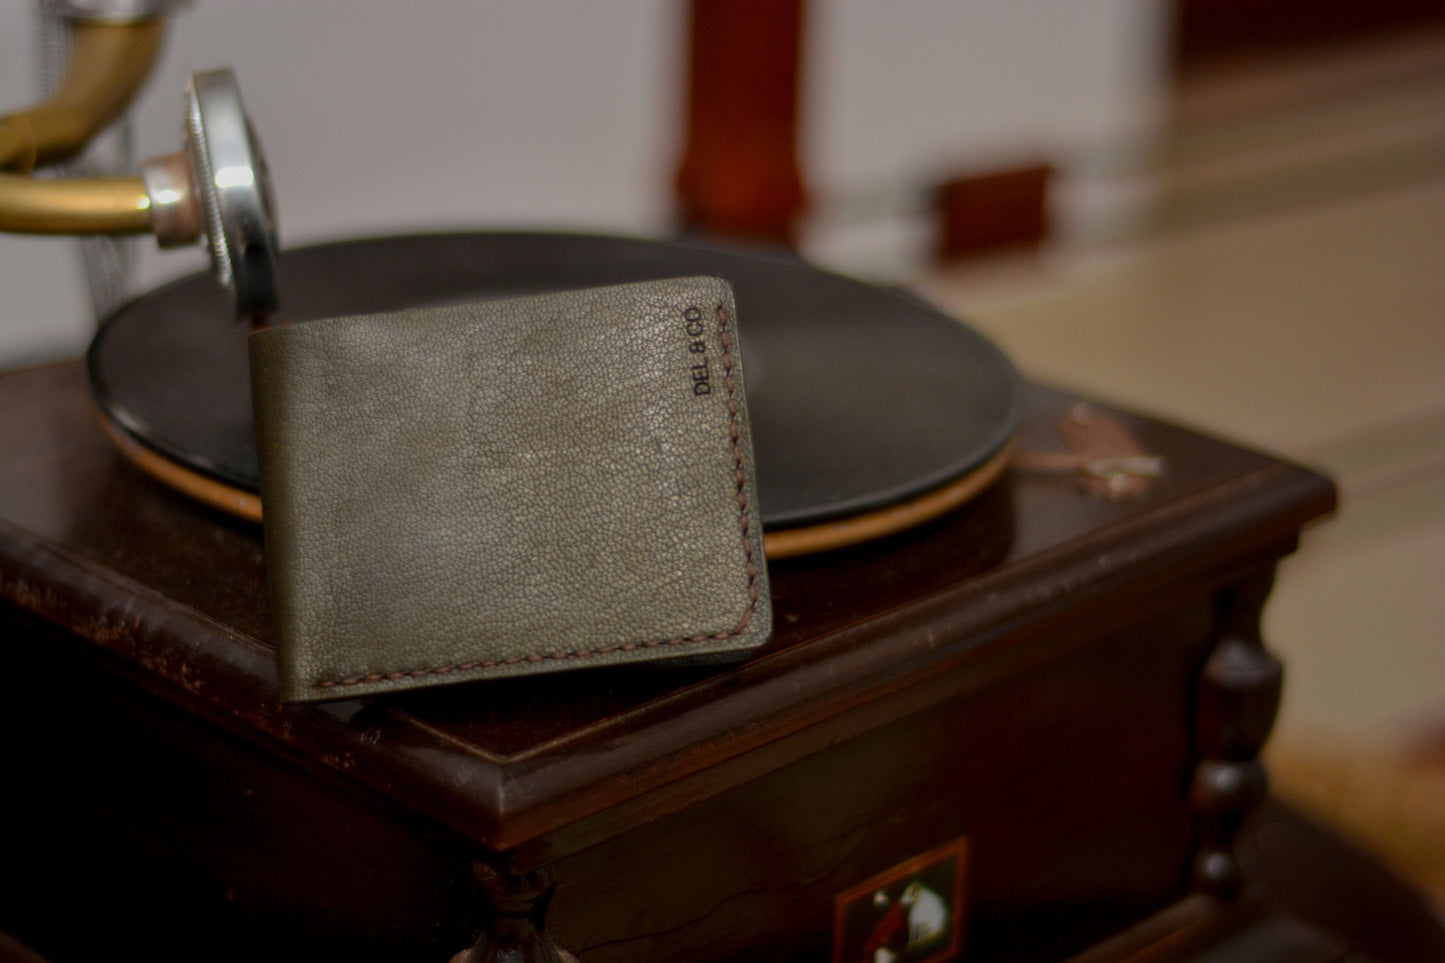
(380, 116)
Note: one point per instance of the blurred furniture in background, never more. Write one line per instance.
(739, 175)
(1269, 271)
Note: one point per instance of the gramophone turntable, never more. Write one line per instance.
(1030, 709)
(851, 443)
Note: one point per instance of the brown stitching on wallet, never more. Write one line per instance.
(752, 570)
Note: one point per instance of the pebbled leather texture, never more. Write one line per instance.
(508, 487)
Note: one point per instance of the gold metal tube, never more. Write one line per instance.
(108, 65)
(94, 205)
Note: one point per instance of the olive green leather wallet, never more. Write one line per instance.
(508, 487)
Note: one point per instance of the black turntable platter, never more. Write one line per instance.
(863, 400)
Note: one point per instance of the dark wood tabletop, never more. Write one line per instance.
(177, 590)
(112, 585)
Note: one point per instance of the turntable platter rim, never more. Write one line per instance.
(799, 316)
(780, 543)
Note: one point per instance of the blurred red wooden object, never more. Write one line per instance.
(739, 174)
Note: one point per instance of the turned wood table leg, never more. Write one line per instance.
(1238, 699)
(515, 930)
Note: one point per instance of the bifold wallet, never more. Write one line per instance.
(508, 487)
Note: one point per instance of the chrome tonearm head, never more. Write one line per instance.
(220, 187)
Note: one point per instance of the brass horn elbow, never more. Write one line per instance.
(109, 64)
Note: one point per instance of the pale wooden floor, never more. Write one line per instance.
(1319, 335)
